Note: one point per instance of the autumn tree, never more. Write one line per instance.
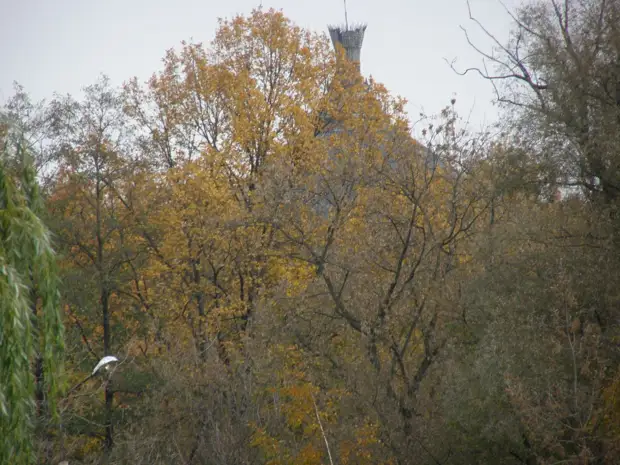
(382, 223)
(213, 124)
(258, 199)
(557, 80)
(91, 206)
(249, 100)
(559, 73)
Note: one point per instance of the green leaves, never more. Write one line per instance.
(16, 380)
(28, 282)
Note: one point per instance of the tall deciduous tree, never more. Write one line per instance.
(91, 209)
(559, 77)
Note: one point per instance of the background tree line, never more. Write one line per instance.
(281, 292)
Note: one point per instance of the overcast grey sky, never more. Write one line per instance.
(63, 45)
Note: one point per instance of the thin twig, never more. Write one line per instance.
(318, 419)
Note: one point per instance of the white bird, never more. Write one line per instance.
(103, 362)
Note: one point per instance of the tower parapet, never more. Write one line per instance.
(349, 38)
